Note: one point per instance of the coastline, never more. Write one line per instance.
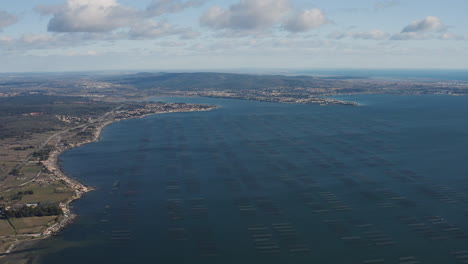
(326, 101)
(79, 189)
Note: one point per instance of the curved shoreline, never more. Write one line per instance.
(52, 164)
(79, 189)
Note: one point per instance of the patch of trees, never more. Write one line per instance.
(23, 148)
(42, 154)
(19, 195)
(15, 172)
(85, 133)
(26, 211)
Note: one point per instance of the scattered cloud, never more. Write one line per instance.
(112, 19)
(245, 25)
(422, 29)
(410, 36)
(89, 16)
(7, 19)
(26, 42)
(430, 23)
(247, 15)
(427, 36)
(266, 45)
(452, 36)
(368, 35)
(160, 7)
(153, 29)
(306, 20)
(34, 41)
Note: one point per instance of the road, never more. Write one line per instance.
(84, 126)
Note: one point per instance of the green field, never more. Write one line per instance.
(49, 194)
(31, 225)
(5, 228)
(54, 193)
(31, 169)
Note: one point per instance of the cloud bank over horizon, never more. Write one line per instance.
(252, 30)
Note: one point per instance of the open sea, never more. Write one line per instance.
(425, 75)
(252, 182)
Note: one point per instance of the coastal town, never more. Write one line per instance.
(273, 97)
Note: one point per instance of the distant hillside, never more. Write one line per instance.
(218, 81)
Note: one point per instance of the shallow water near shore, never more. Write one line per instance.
(259, 182)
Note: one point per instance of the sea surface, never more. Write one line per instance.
(428, 75)
(252, 182)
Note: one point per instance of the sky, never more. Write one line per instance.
(88, 35)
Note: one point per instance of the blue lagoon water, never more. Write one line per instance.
(255, 182)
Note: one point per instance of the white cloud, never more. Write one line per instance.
(430, 23)
(7, 19)
(89, 16)
(112, 19)
(306, 20)
(247, 15)
(422, 29)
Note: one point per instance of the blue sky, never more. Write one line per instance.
(80, 35)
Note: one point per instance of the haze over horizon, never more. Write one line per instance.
(81, 35)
